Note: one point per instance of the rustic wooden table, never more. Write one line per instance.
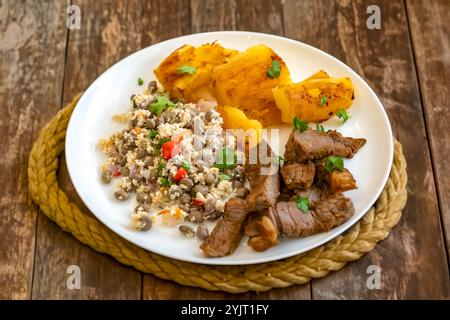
(43, 65)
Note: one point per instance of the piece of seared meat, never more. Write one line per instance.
(227, 233)
(286, 219)
(298, 175)
(262, 173)
(338, 181)
(314, 145)
(262, 230)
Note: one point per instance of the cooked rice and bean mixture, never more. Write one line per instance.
(175, 158)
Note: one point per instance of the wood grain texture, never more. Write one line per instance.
(430, 32)
(109, 32)
(412, 258)
(32, 46)
(31, 75)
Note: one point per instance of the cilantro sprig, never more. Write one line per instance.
(186, 166)
(323, 100)
(333, 163)
(225, 159)
(320, 128)
(165, 182)
(299, 124)
(302, 203)
(274, 70)
(153, 133)
(140, 82)
(343, 114)
(224, 177)
(186, 69)
(161, 104)
(279, 160)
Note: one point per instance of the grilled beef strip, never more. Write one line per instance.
(298, 175)
(227, 233)
(314, 145)
(338, 181)
(286, 219)
(264, 179)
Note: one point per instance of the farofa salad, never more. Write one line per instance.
(176, 159)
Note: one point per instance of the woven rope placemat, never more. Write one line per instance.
(360, 239)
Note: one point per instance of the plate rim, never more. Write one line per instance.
(218, 261)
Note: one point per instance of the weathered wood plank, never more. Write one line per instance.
(32, 46)
(263, 16)
(430, 31)
(412, 258)
(109, 32)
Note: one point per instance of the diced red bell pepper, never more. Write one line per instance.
(197, 202)
(181, 173)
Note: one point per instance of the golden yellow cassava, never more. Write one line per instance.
(191, 87)
(243, 83)
(315, 99)
(234, 118)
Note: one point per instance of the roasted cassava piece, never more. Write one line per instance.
(186, 72)
(315, 99)
(315, 145)
(245, 82)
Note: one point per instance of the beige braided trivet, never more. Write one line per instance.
(360, 239)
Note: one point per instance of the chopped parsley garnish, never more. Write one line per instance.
(274, 70)
(342, 113)
(161, 104)
(320, 128)
(186, 69)
(224, 177)
(302, 204)
(165, 182)
(186, 166)
(140, 82)
(323, 100)
(153, 133)
(162, 141)
(299, 124)
(279, 160)
(160, 167)
(225, 159)
(334, 163)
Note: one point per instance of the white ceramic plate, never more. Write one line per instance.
(110, 93)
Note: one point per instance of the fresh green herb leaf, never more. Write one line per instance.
(165, 182)
(320, 128)
(279, 160)
(224, 177)
(334, 163)
(186, 166)
(161, 165)
(153, 133)
(162, 141)
(342, 113)
(161, 104)
(300, 125)
(323, 100)
(140, 82)
(225, 159)
(186, 69)
(274, 70)
(302, 204)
